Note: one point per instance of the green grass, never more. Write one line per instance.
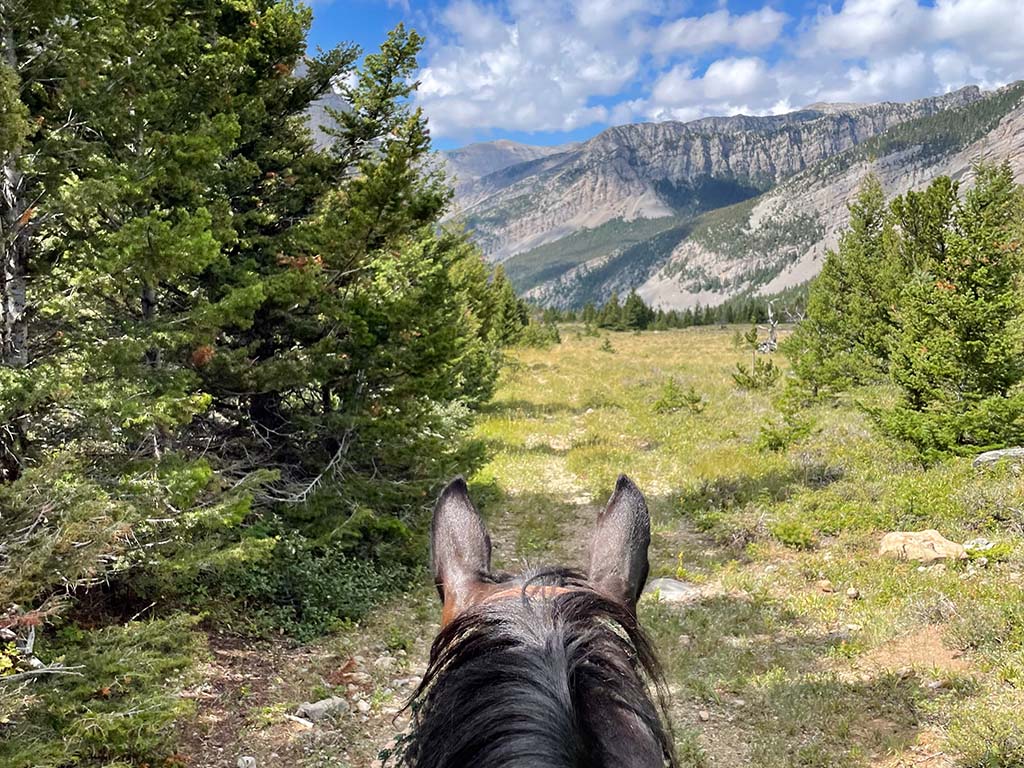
(792, 675)
(768, 669)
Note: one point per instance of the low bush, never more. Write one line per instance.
(674, 398)
(117, 705)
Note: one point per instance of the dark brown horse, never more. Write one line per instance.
(543, 670)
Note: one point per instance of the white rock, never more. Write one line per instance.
(246, 762)
(925, 546)
(992, 457)
(673, 591)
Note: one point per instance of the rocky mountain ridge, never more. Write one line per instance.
(651, 170)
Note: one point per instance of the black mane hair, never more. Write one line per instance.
(541, 682)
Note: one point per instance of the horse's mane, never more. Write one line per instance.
(558, 682)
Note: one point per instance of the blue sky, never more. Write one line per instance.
(551, 71)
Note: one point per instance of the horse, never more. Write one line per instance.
(547, 669)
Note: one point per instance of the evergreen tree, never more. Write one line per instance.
(959, 346)
(589, 316)
(636, 315)
(610, 315)
(845, 338)
(510, 312)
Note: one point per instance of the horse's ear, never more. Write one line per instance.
(460, 548)
(618, 552)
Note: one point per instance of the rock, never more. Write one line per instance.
(825, 585)
(384, 662)
(320, 709)
(301, 721)
(246, 762)
(358, 678)
(925, 546)
(853, 593)
(992, 457)
(854, 627)
(363, 706)
(673, 591)
(405, 682)
(771, 568)
(978, 545)
(704, 715)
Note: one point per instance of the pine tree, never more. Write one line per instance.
(610, 314)
(959, 347)
(636, 315)
(845, 338)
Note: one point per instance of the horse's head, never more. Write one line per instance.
(461, 552)
(547, 669)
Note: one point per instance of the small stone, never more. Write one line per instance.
(363, 706)
(978, 545)
(246, 762)
(320, 709)
(771, 568)
(981, 562)
(359, 678)
(301, 721)
(739, 703)
(854, 627)
(384, 662)
(826, 586)
(853, 593)
(685, 640)
(405, 682)
(704, 715)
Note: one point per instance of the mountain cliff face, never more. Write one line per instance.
(653, 170)
(699, 212)
(474, 161)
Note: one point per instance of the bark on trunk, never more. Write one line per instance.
(14, 218)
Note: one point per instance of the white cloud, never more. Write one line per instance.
(557, 65)
(746, 32)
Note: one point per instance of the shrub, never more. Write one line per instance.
(761, 374)
(119, 708)
(299, 588)
(792, 533)
(674, 398)
(540, 335)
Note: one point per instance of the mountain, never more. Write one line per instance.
(702, 211)
(474, 161)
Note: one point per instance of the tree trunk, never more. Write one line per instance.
(15, 215)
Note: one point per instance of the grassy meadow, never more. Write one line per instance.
(805, 649)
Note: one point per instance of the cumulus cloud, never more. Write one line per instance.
(746, 32)
(559, 65)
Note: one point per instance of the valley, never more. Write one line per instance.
(697, 213)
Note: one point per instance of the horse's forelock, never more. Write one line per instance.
(541, 682)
